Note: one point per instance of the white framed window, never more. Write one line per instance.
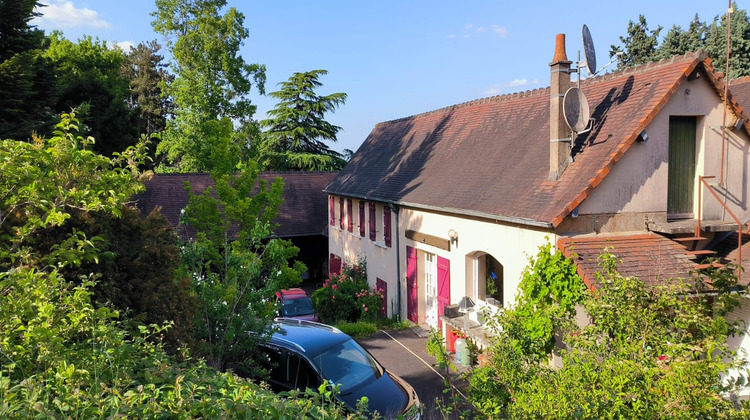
(430, 284)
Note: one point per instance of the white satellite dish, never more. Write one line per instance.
(589, 55)
(576, 109)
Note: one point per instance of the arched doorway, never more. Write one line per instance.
(487, 279)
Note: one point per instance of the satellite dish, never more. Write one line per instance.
(588, 51)
(576, 109)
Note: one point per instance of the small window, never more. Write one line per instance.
(300, 374)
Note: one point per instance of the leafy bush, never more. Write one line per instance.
(653, 352)
(62, 357)
(347, 296)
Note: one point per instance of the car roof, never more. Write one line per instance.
(293, 293)
(307, 337)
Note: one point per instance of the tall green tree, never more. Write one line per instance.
(26, 77)
(211, 85)
(679, 41)
(236, 268)
(144, 67)
(296, 131)
(89, 78)
(638, 46)
(739, 51)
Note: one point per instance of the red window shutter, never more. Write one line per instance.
(341, 212)
(372, 221)
(334, 265)
(443, 286)
(349, 215)
(362, 219)
(387, 225)
(333, 211)
(383, 287)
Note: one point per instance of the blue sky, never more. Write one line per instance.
(398, 58)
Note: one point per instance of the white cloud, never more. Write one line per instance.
(125, 46)
(500, 30)
(451, 36)
(63, 14)
(493, 90)
(512, 86)
(481, 30)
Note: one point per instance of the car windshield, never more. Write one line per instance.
(297, 307)
(347, 365)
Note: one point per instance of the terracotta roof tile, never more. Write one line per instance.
(490, 157)
(304, 211)
(651, 257)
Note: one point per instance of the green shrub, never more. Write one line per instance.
(347, 296)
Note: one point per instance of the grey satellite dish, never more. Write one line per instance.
(576, 109)
(588, 51)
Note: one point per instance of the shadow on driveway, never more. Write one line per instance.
(404, 353)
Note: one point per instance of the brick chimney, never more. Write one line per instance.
(559, 132)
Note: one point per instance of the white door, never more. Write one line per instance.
(430, 284)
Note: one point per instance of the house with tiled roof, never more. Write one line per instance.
(302, 216)
(451, 203)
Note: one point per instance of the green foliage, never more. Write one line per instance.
(136, 269)
(27, 78)
(679, 41)
(347, 296)
(358, 329)
(647, 352)
(296, 130)
(146, 72)
(89, 78)
(549, 290)
(639, 46)
(62, 357)
(739, 51)
(235, 268)
(211, 83)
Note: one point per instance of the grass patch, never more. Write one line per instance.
(358, 329)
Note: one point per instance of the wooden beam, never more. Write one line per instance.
(431, 240)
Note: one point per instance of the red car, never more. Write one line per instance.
(296, 303)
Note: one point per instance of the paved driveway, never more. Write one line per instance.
(404, 353)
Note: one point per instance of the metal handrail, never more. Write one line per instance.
(739, 224)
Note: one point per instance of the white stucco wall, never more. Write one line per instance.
(741, 342)
(638, 182)
(381, 260)
(509, 245)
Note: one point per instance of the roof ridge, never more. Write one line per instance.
(741, 79)
(642, 68)
(639, 69)
(488, 99)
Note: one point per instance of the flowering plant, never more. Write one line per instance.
(347, 296)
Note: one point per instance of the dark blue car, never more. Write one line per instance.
(304, 354)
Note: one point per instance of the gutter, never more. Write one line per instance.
(395, 210)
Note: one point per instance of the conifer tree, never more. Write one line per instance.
(297, 131)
